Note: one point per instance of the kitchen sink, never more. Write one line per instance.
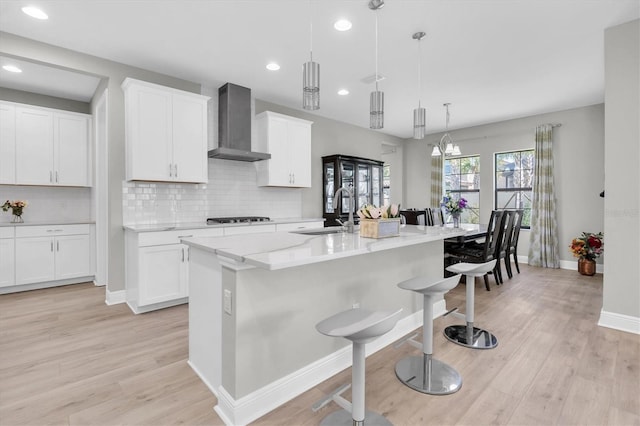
(321, 231)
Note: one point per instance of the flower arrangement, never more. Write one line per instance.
(454, 207)
(370, 211)
(588, 246)
(16, 206)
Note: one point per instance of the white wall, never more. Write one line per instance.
(621, 294)
(48, 204)
(579, 167)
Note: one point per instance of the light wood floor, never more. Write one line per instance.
(67, 358)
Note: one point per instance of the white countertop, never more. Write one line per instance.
(48, 223)
(198, 225)
(279, 250)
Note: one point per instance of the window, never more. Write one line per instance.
(514, 181)
(462, 180)
(386, 184)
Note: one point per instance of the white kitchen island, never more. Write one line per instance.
(254, 301)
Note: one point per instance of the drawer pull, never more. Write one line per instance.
(185, 236)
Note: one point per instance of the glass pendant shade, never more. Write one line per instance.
(419, 123)
(376, 110)
(311, 85)
(448, 149)
(456, 150)
(436, 152)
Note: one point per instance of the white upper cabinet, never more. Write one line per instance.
(71, 153)
(43, 146)
(288, 140)
(7, 143)
(166, 133)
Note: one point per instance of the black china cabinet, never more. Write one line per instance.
(362, 175)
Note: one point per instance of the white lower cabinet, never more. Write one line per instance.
(7, 257)
(50, 253)
(165, 268)
(157, 267)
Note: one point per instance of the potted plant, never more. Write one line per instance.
(379, 222)
(454, 207)
(587, 248)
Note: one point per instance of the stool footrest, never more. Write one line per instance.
(454, 310)
(332, 397)
(410, 340)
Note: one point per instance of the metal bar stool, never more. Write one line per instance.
(423, 373)
(360, 326)
(468, 335)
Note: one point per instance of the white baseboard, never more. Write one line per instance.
(619, 322)
(115, 297)
(264, 400)
(43, 285)
(571, 265)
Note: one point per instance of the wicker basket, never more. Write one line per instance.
(379, 228)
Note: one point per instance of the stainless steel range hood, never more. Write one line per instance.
(234, 125)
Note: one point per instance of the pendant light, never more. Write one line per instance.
(446, 145)
(419, 114)
(310, 76)
(376, 105)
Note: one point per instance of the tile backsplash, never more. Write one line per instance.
(231, 191)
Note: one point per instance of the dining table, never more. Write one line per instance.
(473, 231)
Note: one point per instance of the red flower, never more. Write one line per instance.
(594, 241)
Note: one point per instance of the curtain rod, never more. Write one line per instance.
(554, 125)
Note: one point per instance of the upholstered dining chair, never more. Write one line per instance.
(485, 252)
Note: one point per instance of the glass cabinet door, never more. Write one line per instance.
(348, 180)
(329, 187)
(364, 185)
(376, 186)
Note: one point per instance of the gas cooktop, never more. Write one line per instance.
(237, 219)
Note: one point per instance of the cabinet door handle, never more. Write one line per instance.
(175, 170)
(52, 245)
(170, 170)
(185, 236)
(57, 180)
(183, 255)
(50, 176)
(57, 245)
(188, 253)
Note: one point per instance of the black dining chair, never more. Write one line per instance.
(502, 249)
(512, 247)
(485, 252)
(434, 216)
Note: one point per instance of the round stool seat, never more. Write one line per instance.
(359, 325)
(472, 269)
(421, 285)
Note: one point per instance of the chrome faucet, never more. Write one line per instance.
(349, 224)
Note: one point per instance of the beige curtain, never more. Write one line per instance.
(543, 238)
(436, 181)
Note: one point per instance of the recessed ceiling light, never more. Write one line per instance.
(342, 25)
(343, 92)
(272, 66)
(11, 68)
(34, 12)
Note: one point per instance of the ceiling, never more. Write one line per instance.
(48, 80)
(491, 59)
